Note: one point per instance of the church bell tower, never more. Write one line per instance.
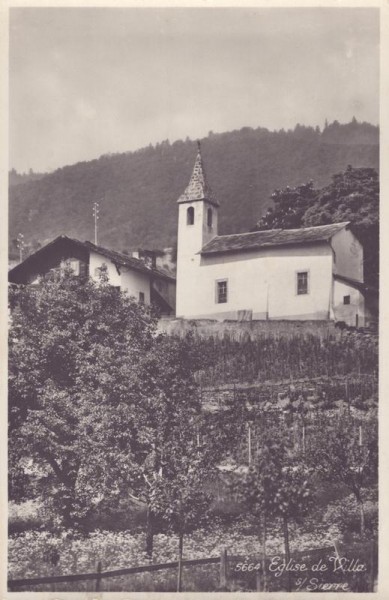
(197, 225)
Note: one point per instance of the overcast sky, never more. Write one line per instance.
(85, 82)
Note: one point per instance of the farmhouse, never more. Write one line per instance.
(314, 273)
(144, 281)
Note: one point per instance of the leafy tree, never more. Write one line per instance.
(96, 397)
(290, 206)
(179, 495)
(278, 484)
(352, 196)
(73, 348)
(346, 451)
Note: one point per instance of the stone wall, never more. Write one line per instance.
(237, 330)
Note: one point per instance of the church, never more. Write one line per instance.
(313, 273)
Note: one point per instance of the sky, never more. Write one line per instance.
(91, 81)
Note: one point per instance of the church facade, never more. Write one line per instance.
(314, 273)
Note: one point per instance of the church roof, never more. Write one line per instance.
(198, 187)
(271, 237)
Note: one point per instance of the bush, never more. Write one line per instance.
(344, 515)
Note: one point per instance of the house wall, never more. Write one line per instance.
(134, 282)
(261, 281)
(348, 255)
(96, 261)
(348, 312)
(127, 279)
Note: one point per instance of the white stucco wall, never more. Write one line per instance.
(128, 279)
(263, 281)
(190, 240)
(134, 282)
(348, 312)
(348, 255)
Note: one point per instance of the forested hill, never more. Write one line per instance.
(137, 191)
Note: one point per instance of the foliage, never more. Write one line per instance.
(137, 191)
(278, 482)
(344, 515)
(347, 452)
(96, 397)
(290, 206)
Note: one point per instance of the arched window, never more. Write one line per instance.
(190, 216)
(209, 217)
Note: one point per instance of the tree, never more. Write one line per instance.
(96, 397)
(278, 484)
(74, 347)
(290, 206)
(346, 451)
(179, 495)
(352, 196)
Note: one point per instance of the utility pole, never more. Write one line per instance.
(20, 245)
(96, 218)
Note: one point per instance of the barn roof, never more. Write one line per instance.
(270, 238)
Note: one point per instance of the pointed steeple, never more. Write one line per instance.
(198, 188)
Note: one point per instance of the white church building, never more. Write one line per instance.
(296, 274)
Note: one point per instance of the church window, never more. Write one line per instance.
(346, 299)
(142, 297)
(302, 283)
(190, 216)
(221, 291)
(209, 217)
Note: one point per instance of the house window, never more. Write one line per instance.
(190, 216)
(302, 283)
(221, 291)
(346, 299)
(142, 297)
(83, 269)
(209, 217)
(75, 266)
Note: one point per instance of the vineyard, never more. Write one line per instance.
(149, 453)
(276, 359)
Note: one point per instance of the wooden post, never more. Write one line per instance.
(179, 572)
(98, 577)
(264, 553)
(372, 565)
(223, 568)
(348, 395)
(258, 582)
(249, 443)
(337, 551)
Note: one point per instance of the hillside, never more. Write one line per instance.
(137, 191)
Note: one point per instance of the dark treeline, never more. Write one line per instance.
(137, 191)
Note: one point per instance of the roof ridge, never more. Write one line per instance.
(343, 223)
(272, 237)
